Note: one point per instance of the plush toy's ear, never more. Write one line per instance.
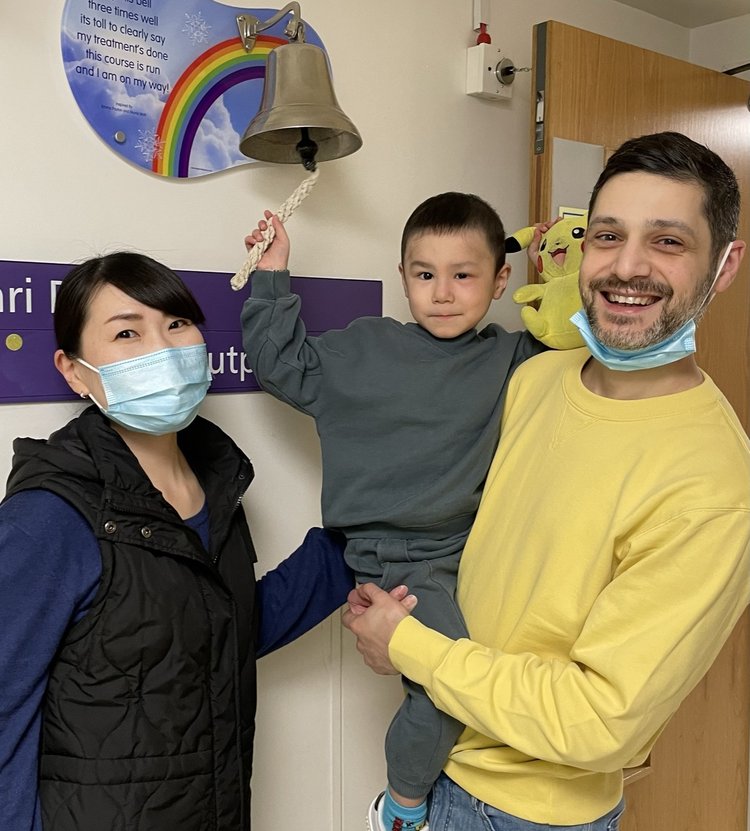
(520, 240)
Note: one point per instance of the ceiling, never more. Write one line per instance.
(692, 13)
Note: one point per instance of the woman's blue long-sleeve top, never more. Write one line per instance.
(49, 573)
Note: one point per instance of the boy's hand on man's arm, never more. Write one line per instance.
(276, 256)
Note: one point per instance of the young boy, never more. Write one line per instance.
(408, 417)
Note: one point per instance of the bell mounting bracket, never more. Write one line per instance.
(249, 25)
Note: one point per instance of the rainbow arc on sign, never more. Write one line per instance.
(207, 78)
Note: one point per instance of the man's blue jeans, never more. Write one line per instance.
(453, 809)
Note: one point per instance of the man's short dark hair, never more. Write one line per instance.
(678, 157)
(448, 213)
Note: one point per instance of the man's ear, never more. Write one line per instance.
(68, 368)
(731, 266)
(501, 281)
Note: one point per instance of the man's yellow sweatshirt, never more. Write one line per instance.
(608, 564)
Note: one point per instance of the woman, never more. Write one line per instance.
(128, 606)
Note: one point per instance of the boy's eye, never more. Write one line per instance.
(462, 275)
(424, 275)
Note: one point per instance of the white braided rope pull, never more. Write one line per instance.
(283, 213)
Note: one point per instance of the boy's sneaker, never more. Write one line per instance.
(375, 819)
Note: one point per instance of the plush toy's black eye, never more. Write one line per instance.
(543, 245)
(578, 233)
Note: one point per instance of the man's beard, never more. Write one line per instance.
(672, 317)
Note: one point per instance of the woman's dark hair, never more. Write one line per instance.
(140, 277)
(452, 212)
(678, 157)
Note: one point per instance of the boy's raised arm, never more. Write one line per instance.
(276, 256)
(282, 356)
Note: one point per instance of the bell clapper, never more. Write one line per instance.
(307, 150)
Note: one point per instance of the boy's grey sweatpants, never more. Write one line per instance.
(420, 737)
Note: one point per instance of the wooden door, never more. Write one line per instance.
(600, 91)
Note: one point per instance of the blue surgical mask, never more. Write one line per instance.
(157, 393)
(678, 345)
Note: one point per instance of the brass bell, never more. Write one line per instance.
(299, 119)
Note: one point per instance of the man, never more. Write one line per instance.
(610, 558)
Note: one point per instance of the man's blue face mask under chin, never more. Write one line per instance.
(678, 345)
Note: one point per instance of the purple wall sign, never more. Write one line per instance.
(27, 341)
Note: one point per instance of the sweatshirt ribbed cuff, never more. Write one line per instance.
(269, 285)
(417, 651)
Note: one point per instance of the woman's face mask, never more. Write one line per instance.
(156, 393)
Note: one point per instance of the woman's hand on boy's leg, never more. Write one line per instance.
(359, 598)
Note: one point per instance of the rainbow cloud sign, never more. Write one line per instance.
(168, 86)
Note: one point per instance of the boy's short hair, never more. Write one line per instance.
(678, 157)
(450, 212)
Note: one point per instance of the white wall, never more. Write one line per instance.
(721, 46)
(399, 74)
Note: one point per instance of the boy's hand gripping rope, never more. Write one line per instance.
(283, 213)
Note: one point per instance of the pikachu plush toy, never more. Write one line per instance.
(556, 298)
